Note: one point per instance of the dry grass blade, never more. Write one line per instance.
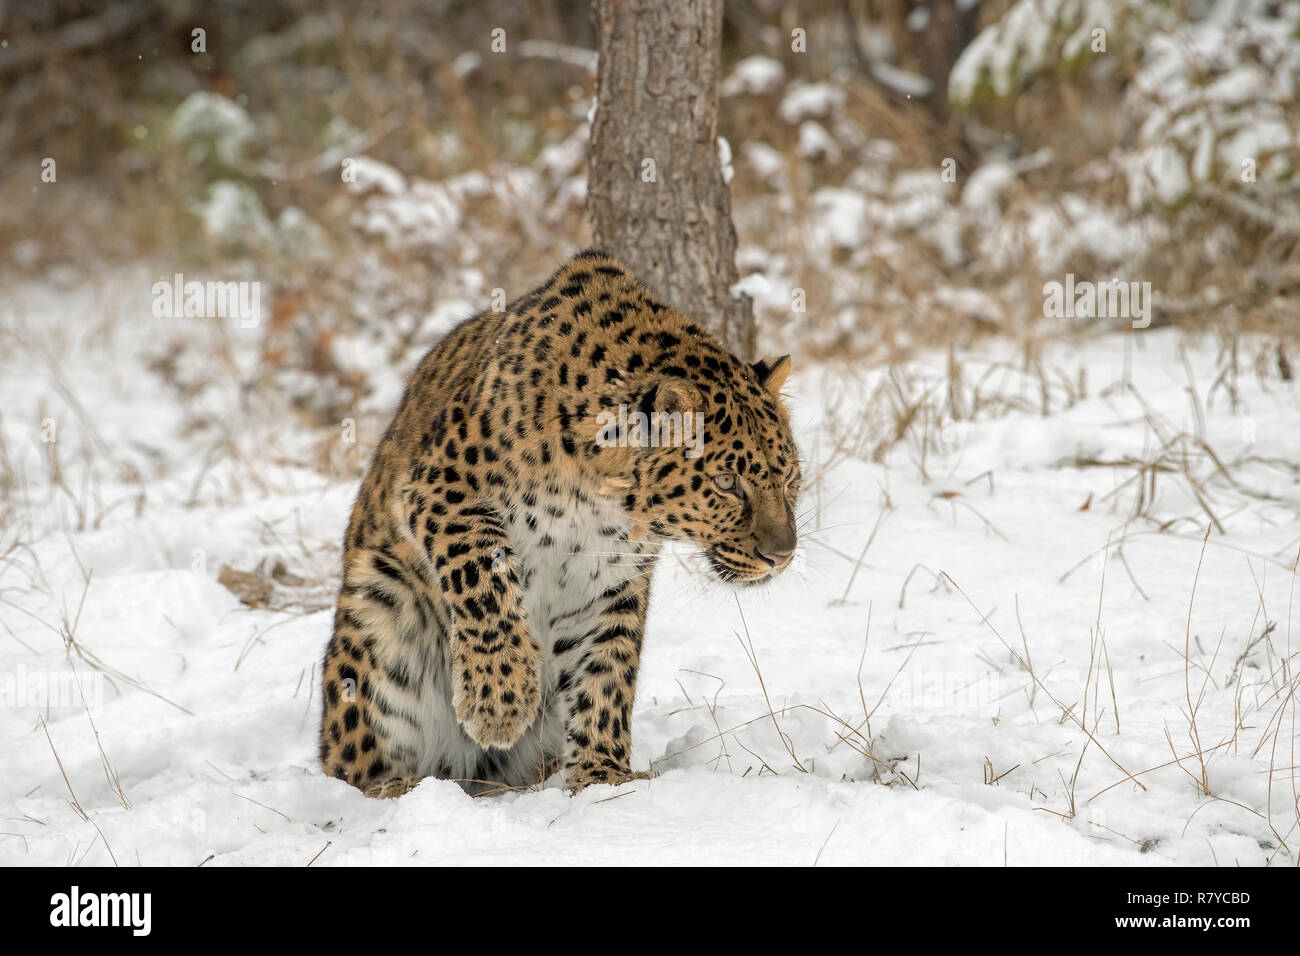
(817, 858)
(327, 845)
(75, 803)
(880, 518)
(264, 806)
(1193, 729)
(753, 660)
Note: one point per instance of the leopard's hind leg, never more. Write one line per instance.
(382, 676)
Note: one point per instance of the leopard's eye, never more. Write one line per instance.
(730, 484)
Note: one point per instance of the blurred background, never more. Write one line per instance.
(1128, 156)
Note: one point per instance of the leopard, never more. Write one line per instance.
(498, 558)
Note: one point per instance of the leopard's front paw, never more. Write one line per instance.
(392, 787)
(499, 700)
(579, 776)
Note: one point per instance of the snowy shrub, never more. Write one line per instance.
(1215, 102)
(1041, 36)
(209, 126)
(233, 216)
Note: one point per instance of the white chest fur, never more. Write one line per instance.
(572, 550)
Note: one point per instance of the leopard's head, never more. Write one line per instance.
(720, 468)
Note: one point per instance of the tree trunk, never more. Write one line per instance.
(655, 192)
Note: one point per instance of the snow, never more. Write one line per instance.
(767, 162)
(840, 216)
(368, 174)
(724, 160)
(990, 557)
(816, 143)
(466, 63)
(804, 100)
(901, 81)
(1163, 173)
(755, 75)
(984, 188)
(548, 50)
(755, 284)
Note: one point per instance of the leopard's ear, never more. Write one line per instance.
(772, 373)
(670, 395)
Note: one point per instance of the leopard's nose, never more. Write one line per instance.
(778, 559)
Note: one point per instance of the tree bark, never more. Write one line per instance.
(655, 193)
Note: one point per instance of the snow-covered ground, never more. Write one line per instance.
(958, 670)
